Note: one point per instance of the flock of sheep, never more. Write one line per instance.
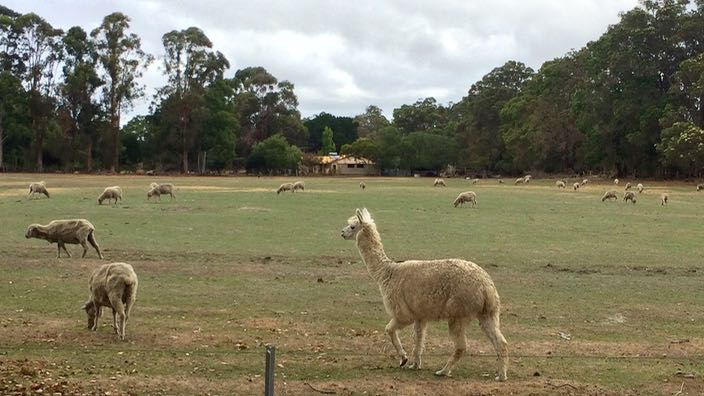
(446, 289)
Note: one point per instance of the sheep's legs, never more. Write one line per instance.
(114, 321)
(456, 329)
(119, 311)
(91, 239)
(490, 325)
(392, 330)
(60, 246)
(419, 327)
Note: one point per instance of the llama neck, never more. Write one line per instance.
(372, 252)
(42, 231)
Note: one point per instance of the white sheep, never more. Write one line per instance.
(560, 184)
(112, 285)
(38, 188)
(640, 188)
(629, 195)
(527, 178)
(609, 195)
(520, 180)
(420, 291)
(616, 182)
(700, 187)
(285, 187)
(585, 181)
(362, 185)
(576, 186)
(110, 193)
(157, 189)
(501, 181)
(439, 182)
(628, 186)
(299, 185)
(467, 196)
(663, 198)
(61, 232)
(475, 181)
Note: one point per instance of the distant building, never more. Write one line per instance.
(345, 165)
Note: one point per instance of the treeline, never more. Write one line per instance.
(630, 103)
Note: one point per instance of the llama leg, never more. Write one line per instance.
(420, 328)
(91, 239)
(65, 250)
(119, 309)
(85, 248)
(392, 330)
(490, 324)
(114, 320)
(58, 247)
(456, 329)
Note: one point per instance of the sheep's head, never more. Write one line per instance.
(100, 200)
(356, 223)
(31, 231)
(93, 312)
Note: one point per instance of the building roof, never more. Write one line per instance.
(344, 159)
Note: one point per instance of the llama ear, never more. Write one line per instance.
(359, 214)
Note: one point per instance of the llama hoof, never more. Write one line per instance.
(442, 373)
(414, 366)
(501, 377)
(404, 360)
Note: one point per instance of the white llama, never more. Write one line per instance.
(419, 291)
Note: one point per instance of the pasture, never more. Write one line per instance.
(230, 266)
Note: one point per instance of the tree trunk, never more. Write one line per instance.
(89, 155)
(184, 151)
(2, 144)
(115, 131)
(39, 146)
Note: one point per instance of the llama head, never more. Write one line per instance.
(32, 231)
(356, 223)
(94, 312)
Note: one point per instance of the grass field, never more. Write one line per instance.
(230, 266)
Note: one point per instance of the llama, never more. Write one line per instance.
(419, 291)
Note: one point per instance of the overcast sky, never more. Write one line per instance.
(345, 55)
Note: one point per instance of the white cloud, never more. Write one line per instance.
(344, 56)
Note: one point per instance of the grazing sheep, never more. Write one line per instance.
(527, 178)
(299, 185)
(475, 181)
(112, 285)
(700, 187)
(520, 180)
(628, 186)
(110, 193)
(37, 188)
(467, 196)
(576, 186)
(74, 231)
(560, 184)
(362, 185)
(585, 181)
(420, 291)
(285, 187)
(501, 181)
(609, 195)
(629, 195)
(639, 187)
(663, 198)
(616, 182)
(156, 189)
(439, 182)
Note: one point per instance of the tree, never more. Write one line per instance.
(370, 122)
(14, 120)
(426, 115)
(328, 145)
(345, 130)
(38, 46)
(274, 154)
(190, 65)
(123, 62)
(682, 146)
(362, 147)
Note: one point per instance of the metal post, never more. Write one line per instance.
(269, 374)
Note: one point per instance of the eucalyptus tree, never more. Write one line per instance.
(122, 63)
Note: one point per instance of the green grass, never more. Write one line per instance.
(230, 266)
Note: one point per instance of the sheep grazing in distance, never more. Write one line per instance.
(576, 186)
(501, 181)
(640, 188)
(609, 195)
(560, 184)
(112, 285)
(439, 182)
(629, 195)
(299, 185)
(420, 291)
(628, 187)
(700, 187)
(475, 181)
(520, 180)
(61, 232)
(362, 185)
(527, 178)
(110, 193)
(38, 188)
(663, 198)
(616, 182)
(285, 187)
(467, 196)
(156, 189)
(585, 181)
